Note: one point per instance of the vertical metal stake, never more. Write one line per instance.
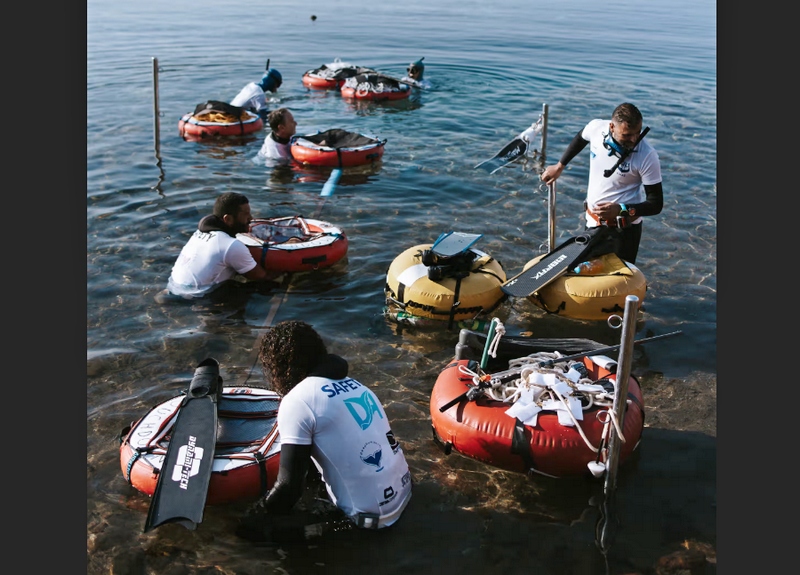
(621, 392)
(551, 216)
(544, 131)
(156, 118)
(551, 198)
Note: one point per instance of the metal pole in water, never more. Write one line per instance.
(551, 198)
(156, 119)
(544, 131)
(621, 393)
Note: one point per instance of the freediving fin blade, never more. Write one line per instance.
(511, 152)
(557, 262)
(453, 243)
(182, 485)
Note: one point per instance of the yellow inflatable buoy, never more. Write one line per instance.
(594, 295)
(456, 294)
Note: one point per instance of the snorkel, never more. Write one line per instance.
(625, 151)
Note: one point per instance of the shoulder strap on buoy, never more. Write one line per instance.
(521, 445)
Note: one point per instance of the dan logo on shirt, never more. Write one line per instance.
(371, 454)
(363, 408)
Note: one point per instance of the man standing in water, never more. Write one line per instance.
(213, 255)
(336, 422)
(624, 176)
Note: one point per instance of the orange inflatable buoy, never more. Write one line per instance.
(246, 456)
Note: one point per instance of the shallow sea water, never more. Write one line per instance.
(493, 68)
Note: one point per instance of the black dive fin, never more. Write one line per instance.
(558, 261)
(182, 486)
(511, 152)
(453, 243)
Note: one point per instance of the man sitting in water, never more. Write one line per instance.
(414, 77)
(277, 144)
(253, 96)
(213, 255)
(336, 422)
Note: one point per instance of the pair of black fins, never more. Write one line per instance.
(182, 487)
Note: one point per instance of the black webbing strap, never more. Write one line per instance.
(262, 469)
(521, 445)
(452, 315)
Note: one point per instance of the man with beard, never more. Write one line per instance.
(213, 255)
(624, 176)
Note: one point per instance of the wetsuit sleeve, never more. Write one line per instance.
(259, 522)
(653, 202)
(574, 148)
(288, 487)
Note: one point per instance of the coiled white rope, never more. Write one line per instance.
(528, 367)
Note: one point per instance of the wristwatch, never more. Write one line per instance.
(623, 210)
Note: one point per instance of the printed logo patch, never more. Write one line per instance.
(388, 495)
(363, 408)
(188, 465)
(392, 441)
(371, 454)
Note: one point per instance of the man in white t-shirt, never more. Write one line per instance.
(213, 255)
(337, 423)
(624, 176)
(277, 145)
(253, 96)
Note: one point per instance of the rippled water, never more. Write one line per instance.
(493, 67)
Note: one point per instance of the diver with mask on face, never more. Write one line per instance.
(624, 176)
(414, 75)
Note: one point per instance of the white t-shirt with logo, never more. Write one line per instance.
(207, 260)
(626, 184)
(362, 465)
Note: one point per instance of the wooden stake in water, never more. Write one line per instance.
(156, 120)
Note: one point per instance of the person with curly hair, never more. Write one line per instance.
(335, 422)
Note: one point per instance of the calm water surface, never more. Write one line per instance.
(493, 67)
